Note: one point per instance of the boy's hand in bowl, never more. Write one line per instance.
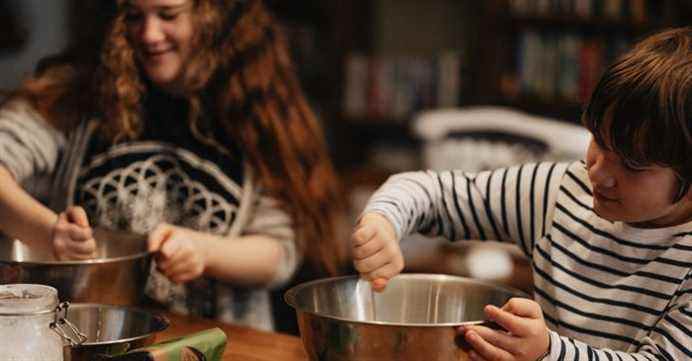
(376, 251)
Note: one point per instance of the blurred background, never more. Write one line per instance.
(406, 84)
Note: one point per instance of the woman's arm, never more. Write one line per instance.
(265, 255)
(29, 146)
(185, 255)
(22, 216)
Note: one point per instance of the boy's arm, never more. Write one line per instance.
(670, 338)
(504, 204)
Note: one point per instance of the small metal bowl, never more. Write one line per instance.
(111, 330)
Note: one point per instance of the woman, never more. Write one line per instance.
(185, 122)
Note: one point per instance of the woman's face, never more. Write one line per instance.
(162, 34)
(638, 195)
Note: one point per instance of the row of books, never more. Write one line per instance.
(563, 67)
(380, 87)
(634, 10)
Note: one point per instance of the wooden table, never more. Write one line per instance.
(244, 343)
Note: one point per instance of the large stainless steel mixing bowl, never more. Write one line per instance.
(111, 330)
(413, 319)
(116, 276)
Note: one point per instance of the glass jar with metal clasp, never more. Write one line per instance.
(33, 324)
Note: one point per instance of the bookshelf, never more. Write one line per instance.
(541, 56)
(545, 56)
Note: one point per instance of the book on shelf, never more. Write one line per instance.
(388, 87)
(564, 67)
(634, 10)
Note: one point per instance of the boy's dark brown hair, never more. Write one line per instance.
(647, 95)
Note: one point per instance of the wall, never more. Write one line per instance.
(414, 27)
(47, 24)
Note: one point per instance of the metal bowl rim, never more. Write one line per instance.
(290, 296)
(81, 262)
(165, 323)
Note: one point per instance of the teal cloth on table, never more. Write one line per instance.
(208, 345)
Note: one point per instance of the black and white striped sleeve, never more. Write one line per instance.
(504, 204)
(669, 340)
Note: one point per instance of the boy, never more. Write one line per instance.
(609, 239)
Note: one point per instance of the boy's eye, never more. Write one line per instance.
(634, 167)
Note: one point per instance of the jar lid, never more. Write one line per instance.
(27, 299)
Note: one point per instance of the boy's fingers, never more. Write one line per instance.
(362, 235)
(379, 284)
(523, 307)
(387, 272)
(368, 249)
(497, 338)
(517, 325)
(372, 263)
(78, 216)
(484, 348)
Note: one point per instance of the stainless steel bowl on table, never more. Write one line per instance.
(415, 318)
(111, 330)
(116, 276)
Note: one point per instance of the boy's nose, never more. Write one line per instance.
(599, 174)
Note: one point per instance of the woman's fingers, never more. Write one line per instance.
(72, 236)
(79, 233)
(78, 216)
(84, 247)
(158, 237)
(179, 261)
(184, 270)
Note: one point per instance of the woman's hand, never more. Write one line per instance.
(376, 252)
(181, 253)
(72, 237)
(526, 338)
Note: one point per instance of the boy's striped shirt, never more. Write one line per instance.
(608, 291)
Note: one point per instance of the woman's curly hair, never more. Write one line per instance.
(241, 73)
